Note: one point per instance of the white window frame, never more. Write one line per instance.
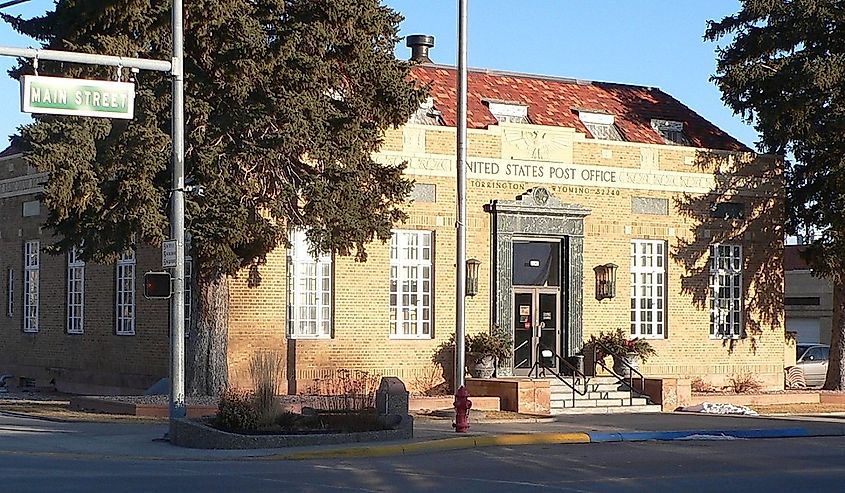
(32, 271)
(125, 294)
(601, 126)
(10, 292)
(726, 291)
(508, 112)
(648, 289)
(310, 290)
(75, 293)
(671, 131)
(411, 284)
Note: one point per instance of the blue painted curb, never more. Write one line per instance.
(639, 436)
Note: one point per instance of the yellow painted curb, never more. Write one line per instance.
(443, 444)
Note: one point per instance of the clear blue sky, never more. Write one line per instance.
(646, 42)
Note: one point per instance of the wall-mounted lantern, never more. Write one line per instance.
(606, 281)
(472, 276)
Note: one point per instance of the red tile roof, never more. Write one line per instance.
(551, 101)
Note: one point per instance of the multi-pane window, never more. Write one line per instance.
(10, 292)
(648, 288)
(726, 291)
(410, 284)
(125, 294)
(75, 292)
(309, 290)
(31, 264)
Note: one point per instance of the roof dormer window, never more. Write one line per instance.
(506, 112)
(600, 125)
(671, 131)
(427, 114)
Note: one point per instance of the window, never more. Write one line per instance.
(410, 284)
(30, 285)
(648, 288)
(671, 131)
(309, 291)
(726, 291)
(125, 294)
(10, 292)
(75, 292)
(506, 112)
(802, 300)
(600, 125)
(727, 210)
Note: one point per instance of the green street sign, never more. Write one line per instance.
(79, 97)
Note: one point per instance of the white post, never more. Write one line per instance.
(460, 258)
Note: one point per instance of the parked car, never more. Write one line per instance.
(812, 358)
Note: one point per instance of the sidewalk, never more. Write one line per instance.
(143, 441)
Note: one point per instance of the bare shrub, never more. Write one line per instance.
(744, 383)
(265, 369)
(698, 384)
(430, 382)
(348, 390)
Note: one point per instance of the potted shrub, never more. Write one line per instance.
(617, 345)
(482, 352)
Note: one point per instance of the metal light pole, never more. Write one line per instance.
(177, 224)
(460, 262)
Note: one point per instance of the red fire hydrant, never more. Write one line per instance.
(462, 406)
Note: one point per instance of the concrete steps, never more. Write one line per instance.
(604, 395)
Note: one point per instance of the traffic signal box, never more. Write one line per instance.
(157, 285)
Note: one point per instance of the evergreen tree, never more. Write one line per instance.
(286, 100)
(784, 70)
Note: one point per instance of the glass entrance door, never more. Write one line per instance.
(536, 326)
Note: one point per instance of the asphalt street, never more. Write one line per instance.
(757, 465)
(659, 452)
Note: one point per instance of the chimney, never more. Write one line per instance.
(419, 45)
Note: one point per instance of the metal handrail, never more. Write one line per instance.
(575, 373)
(619, 378)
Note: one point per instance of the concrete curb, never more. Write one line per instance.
(641, 436)
(437, 445)
(544, 439)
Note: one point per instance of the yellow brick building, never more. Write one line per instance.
(577, 175)
(564, 178)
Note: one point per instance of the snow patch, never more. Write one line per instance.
(708, 437)
(712, 408)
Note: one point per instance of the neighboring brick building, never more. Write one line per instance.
(564, 177)
(807, 299)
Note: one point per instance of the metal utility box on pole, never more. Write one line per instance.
(177, 202)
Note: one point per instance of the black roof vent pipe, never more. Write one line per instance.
(419, 45)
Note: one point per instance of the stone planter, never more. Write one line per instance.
(623, 370)
(480, 365)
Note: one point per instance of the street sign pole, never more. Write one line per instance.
(177, 204)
